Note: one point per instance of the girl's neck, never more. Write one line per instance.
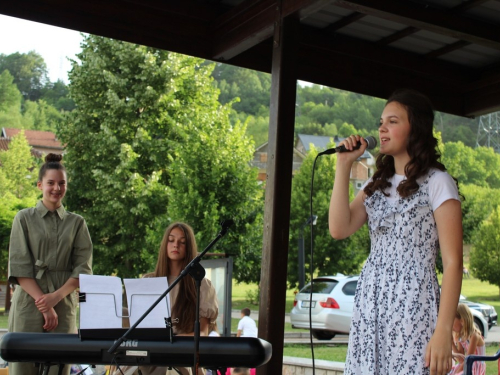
(400, 164)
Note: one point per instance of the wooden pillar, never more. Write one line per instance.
(278, 191)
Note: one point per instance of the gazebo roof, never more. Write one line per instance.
(448, 49)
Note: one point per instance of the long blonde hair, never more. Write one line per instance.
(184, 307)
(464, 314)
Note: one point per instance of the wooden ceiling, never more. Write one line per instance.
(448, 49)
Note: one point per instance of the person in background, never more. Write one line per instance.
(401, 323)
(467, 340)
(246, 325)
(49, 249)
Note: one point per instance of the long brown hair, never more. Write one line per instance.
(421, 147)
(184, 307)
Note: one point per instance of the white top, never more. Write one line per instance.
(248, 327)
(442, 187)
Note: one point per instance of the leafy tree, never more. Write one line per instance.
(478, 205)
(472, 166)
(10, 97)
(9, 206)
(29, 71)
(253, 86)
(144, 118)
(10, 102)
(16, 171)
(56, 94)
(17, 190)
(329, 256)
(485, 255)
(215, 183)
(40, 116)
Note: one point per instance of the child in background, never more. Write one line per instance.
(467, 340)
(246, 326)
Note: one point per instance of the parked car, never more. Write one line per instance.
(331, 306)
(489, 313)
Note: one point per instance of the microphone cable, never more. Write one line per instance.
(311, 264)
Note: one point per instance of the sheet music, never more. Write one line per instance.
(103, 302)
(141, 294)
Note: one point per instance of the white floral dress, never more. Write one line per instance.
(397, 296)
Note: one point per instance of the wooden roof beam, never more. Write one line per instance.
(251, 22)
(429, 19)
(448, 73)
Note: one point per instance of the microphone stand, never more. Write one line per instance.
(190, 268)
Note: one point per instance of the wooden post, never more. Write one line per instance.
(278, 190)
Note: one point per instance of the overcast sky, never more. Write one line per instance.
(54, 44)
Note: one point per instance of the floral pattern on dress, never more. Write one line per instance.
(397, 296)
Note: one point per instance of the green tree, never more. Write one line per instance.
(9, 206)
(17, 190)
(17, 168)
(251, 86)
(329, 256)
(40, 116)
(56, 94)
(478, 205)
(10, 102)
(10, 97)
(29, 71)
(485, 254)
(141, 114)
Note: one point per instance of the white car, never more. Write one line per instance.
(332, 305)
(333, 302)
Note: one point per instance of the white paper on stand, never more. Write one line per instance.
(141, 294)
(103, 302)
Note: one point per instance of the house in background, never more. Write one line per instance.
(260, 160)
(362, 169)
(41, 142)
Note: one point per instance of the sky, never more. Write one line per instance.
(54, 44)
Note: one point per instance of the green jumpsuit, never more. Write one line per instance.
(49, 247)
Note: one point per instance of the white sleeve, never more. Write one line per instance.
(442, 187)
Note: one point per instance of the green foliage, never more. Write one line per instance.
(479, 166)
(17, 190)
(329, 256)
(253, 296)
(479, 203)
(29, 71)
(9, 206)
(234, 82)
(57, 95)
(16, 175)
(10, 97)
(148, 144)
(485, 255)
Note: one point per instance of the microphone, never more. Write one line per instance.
(372, 142)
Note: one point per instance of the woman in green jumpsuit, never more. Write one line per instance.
(49, 248)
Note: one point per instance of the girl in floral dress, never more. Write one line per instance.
(401, 324)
